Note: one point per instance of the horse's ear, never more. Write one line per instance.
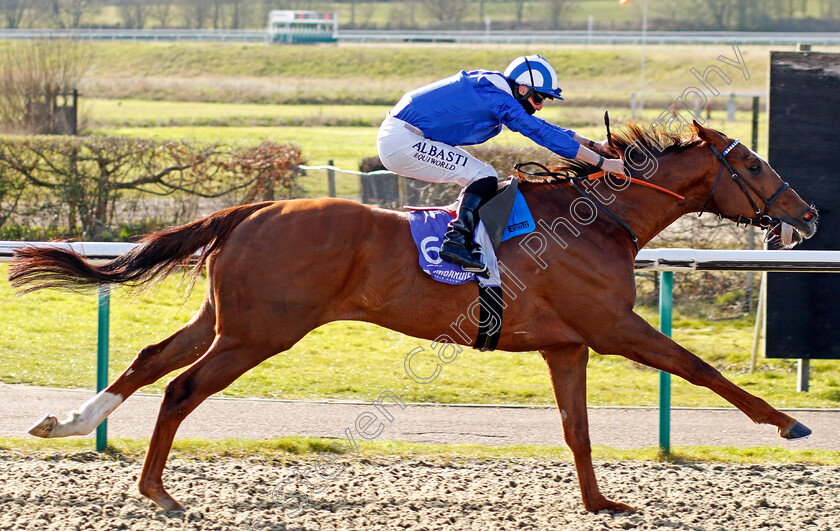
(710, 136)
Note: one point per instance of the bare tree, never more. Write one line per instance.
(161, 12)
(556, 8)
(12, 188)
(829, 8)
(446, 11)
(300, 4)
(667, 9)
(268, 166)
(719, 11)
(366, 12)
(236, 14)
(779, 8)
(218, 14)
(81, 179)
(35, 76)
(13, 10)
(133, 13)
(67, 13)
(403, 14)
(412, 4)
(520, 8)
(747, 13)
(195, 12)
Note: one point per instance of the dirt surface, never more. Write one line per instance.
(64, 492)
(84, 490)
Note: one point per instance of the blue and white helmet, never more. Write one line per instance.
(534, 71)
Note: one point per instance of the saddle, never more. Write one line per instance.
(504, 216)
(497, 214)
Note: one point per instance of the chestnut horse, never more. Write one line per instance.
(277, 270)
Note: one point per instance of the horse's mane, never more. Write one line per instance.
(652, 136)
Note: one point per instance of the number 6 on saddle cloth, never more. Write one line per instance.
(504, 216)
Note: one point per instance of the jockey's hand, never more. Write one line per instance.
(614, 166)
(602, 148)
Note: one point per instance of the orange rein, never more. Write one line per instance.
(600, 174)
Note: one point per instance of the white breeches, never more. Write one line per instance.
(404, 150)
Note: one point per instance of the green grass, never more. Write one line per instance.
(348, 145)
(292, 448)
(380, 74)
(104, 113)
(48, 338)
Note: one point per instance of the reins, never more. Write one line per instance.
(600, 174)
(573, 181)
(762, 219)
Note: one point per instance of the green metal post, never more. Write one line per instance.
(666, 291)
(102, 359)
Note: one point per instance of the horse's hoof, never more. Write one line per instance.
(611, 506)
(798, 431)
(44, 427)
(618, 507)
(169, 503)
(162, 498)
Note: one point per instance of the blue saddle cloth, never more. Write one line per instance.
(429, 225)
(521, 221)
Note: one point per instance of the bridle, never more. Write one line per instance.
(762, 219)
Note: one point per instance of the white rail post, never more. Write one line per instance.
(803, 375)
(330, 179)
(759, 321)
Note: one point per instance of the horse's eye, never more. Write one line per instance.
(755, 169)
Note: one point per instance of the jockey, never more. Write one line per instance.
(419, 135)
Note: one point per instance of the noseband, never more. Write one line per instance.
(762, 218)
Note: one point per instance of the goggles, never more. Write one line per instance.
(539, 97)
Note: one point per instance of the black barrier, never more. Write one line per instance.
(804, 116)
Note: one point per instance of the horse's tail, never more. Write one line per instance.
(156, 256)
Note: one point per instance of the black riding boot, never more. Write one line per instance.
(458, 245)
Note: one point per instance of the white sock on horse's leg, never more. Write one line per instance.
(79, 422)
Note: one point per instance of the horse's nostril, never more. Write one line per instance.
(809, 215)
